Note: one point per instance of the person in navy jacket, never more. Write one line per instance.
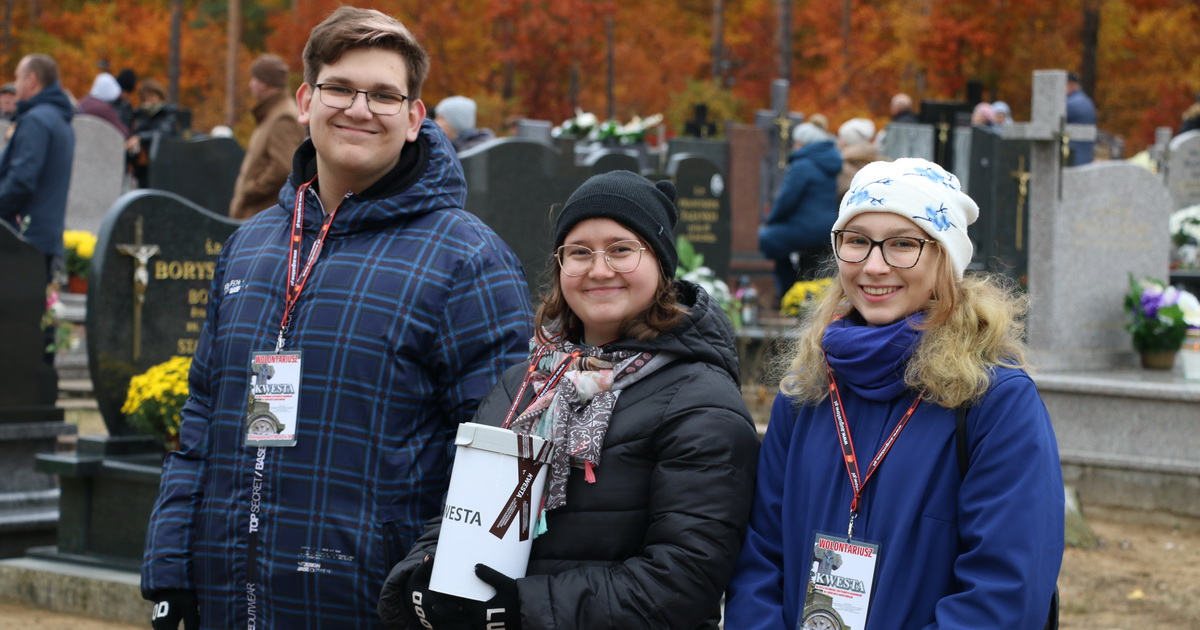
(400, 309)
(860, 466)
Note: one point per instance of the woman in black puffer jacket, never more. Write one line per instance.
(650, 487)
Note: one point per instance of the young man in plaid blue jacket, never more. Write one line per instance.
(388, 312)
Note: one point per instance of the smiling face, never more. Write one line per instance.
(354, 146)
(601, 298)
(879, 292)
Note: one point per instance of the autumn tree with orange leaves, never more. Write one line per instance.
(543, 58)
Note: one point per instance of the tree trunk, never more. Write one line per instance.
(234, 28)
(1090, 38)
(718, 43)
(173, 61)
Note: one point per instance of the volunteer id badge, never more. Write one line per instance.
(274, 399)
(839, 590)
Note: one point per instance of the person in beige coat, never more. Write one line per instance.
(268, 158)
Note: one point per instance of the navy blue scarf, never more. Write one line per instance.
(871, 360)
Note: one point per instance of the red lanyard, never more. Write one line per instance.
(858, 482)
(297, 276)
(549, 386)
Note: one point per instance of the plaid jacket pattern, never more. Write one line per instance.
(413, 310)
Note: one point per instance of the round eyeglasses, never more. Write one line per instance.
(380, 102)
(621, 257)
(899, 252)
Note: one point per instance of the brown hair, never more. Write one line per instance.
(42, 67)
(349, 28)
(555, 321)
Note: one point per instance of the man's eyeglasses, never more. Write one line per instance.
(900, 252)
(621, 257)
(380, 102)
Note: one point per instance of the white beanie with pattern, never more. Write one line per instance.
(921, 192)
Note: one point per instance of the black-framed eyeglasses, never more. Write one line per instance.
(900, 252)
(621, 257)
(380, 102)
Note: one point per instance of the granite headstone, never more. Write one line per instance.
(1110, 223)
(30, 384)
(154, 262)
(1183, 169)
(97, 172)
(30, 421)
(202, 171)
(907, 140)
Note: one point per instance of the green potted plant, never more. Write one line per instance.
(1159, 318)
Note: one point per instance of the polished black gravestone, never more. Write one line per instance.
(30, 423)
(1000, 177)
(154, 263)
(201, 171)
(512, 184)
(944, 117)
(704, 213)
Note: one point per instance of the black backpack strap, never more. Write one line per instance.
(964, 461)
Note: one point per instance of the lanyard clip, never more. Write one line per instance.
(850, 529)
(279, 342)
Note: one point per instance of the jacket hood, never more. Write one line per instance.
(824, 155)
(52, 95)
(427, 178)
(704, 336)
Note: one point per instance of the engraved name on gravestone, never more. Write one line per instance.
(1183, 169)
(702, 197)
(155, 258)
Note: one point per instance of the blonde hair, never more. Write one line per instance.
(971, 326)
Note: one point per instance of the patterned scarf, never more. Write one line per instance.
(574, 411)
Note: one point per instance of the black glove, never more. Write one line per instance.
(171, 607)
(407, 603)
(502, 612)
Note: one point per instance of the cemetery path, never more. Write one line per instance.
(1144, 575)
(20, 617)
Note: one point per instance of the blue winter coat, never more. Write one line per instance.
(1082, 111)
(412, 312)
(955, 553)
(807, 203)
(35, 168)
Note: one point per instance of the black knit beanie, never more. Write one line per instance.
(631, 200)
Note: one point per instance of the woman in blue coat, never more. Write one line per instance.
(866, 515)
(805, 207)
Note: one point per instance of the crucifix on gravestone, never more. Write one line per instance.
(1048, 134)
(141, 254)
(1022, 176)
(777, 124)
